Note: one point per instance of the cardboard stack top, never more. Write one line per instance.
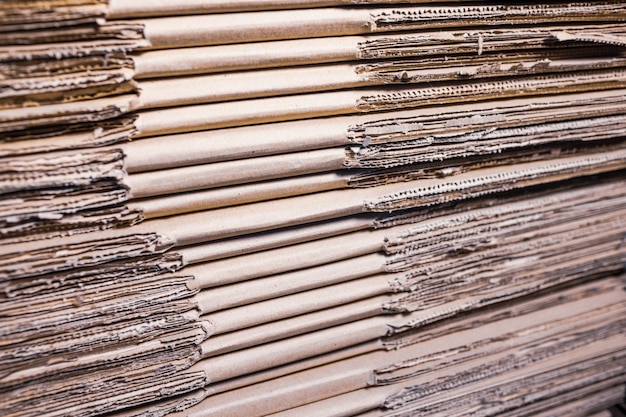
(370, 208)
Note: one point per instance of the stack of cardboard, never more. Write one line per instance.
(286, 207)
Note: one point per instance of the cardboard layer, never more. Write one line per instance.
(190, 202)
(433, 121)
(332, 204)
(200, 227)
(587, 401)
(59, 86)
(253, 111)
(163, 195)
(435, 240)
(17, 15)
(66, 113)
(242, 85)
(66, 137)
(260, 26)
(467, 42)
(242, 171)
(118, 8)
(317, 384)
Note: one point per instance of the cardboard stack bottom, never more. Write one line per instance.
(312, 208)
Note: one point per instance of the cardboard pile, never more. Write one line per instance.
(333, 208)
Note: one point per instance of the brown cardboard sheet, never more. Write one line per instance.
(120, 9)
(427, 46)
(202, 227)
(198, 30)
(198, 177)
(339, 377)
(244, 85)
(233, 195)
(254, 111)
(438, 122)
(66, 137)
(222, 184)
(226, 248)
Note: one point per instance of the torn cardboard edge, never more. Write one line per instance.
(586, 401)
(18, 15)
(68, 137)
(244, 85)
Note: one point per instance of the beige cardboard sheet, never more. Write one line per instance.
(244, 85)
(426, 45)
(122, 9)
(355, 369)
(438, 122)
(209, 29)
(254, 111)
(217, 224)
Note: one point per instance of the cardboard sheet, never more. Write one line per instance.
(253, 111)
(457, 121)
(272, 398)
(430, 47)
(185, 31)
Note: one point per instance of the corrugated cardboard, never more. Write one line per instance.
(428, 46)
(271, 397)
(261, 26)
